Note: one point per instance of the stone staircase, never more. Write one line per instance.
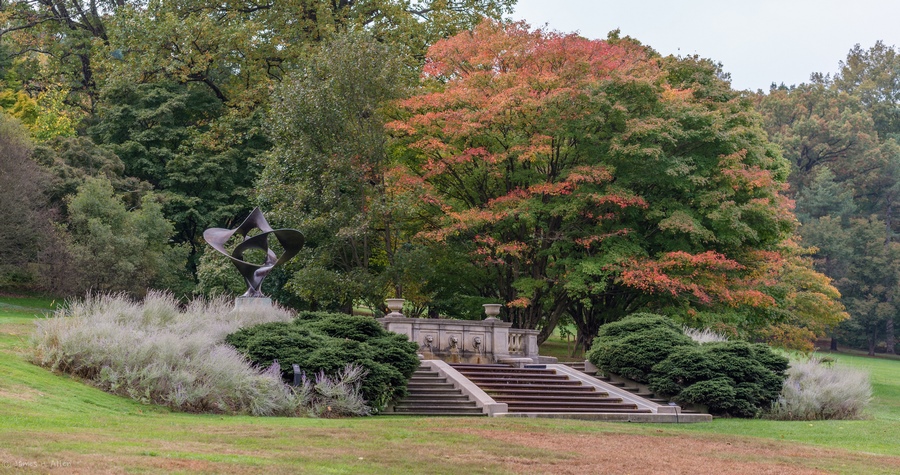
(430, 394)
(536, 389)
(625, 385)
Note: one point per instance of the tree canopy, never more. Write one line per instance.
(594, 177)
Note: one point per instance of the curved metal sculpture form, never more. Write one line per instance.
(290, 239)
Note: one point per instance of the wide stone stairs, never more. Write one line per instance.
(430, 394)
(631, 387)
(536, 389)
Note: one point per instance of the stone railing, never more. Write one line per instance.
(523, 343)
(466, 341)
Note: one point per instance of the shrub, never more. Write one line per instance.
(815, 389)
(328, 342)
(632, 346)
(730, 378)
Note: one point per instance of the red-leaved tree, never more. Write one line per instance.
(593, 178)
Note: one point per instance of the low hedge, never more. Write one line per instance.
(328, 342)
(632, 346)
(732, 378)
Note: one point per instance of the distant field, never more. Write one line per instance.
(53, 423)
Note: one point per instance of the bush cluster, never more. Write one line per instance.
(328, 342)
(156, 352)
(732, 378)
(817, 389)
(632, 346)
(729, 378)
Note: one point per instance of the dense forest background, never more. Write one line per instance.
(438, 152)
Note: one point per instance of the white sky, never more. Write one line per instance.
(757, 41)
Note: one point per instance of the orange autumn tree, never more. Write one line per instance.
(594, 178)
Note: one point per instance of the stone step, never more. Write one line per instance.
(436, 392)
(537, 388)
(467, 369)
(427, 379)
(601, 397)
(413, 385)
(512, 403)
(431, 410)
(470, 413)
(568, 409)
(472, 365)
(544, 381)
(533, 377)
(426, 374)
(540, 385)
(426, 371)
(434, 402)
(436, 397)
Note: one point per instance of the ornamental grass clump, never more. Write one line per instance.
(816, 389)
(707, 335)
(155, 352)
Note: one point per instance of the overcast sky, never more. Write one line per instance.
(757, 41)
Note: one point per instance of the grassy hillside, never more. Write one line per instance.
(53, 423)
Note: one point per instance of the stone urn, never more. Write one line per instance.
(492, 310)
(394, 305)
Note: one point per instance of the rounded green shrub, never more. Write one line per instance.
(732, 378)
(328, 342)
(632, 346)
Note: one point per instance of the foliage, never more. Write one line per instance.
(732, 378)
(163, 133)
(327, 342)
(72, 160)
(328, 122)
(816, 388)
(632, 346)
(22, 185)
(121, 250)
(216, 275)
(593, 177)
(840, 134)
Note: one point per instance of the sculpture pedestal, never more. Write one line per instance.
(252, 303)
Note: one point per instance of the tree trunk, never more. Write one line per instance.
(889, 338)
(834, 344)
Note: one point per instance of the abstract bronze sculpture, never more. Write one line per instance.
(290, 239)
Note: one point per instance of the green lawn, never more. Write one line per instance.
(53, 423)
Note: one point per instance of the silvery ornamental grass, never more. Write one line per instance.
(703, 336)
(817, 389)
(155, 352)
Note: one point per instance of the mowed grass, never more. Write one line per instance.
(53, 423)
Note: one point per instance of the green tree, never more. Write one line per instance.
(121, 250)
(160, 132)
(328, 172)
(848, 125)
(871, 75)
(72, 160)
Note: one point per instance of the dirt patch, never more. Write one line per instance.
(19, 393)
(634, 454)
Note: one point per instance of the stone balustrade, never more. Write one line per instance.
(468, 341)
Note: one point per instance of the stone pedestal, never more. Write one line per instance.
(252, 303)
